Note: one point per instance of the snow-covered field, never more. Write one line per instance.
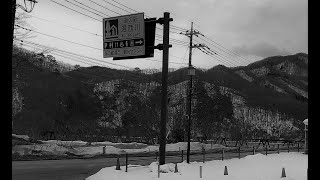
(57, 147)
(253, 167)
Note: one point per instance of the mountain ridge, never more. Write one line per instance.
(277, 84)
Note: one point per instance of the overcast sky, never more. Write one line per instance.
(239, 31)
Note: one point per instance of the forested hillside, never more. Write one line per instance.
(265, 98)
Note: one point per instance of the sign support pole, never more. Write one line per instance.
(164, 98)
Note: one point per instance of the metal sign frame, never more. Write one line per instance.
(124, 36)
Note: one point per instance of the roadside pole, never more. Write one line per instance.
(164, 98)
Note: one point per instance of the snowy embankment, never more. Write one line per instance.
(57, 147)
(252, 167)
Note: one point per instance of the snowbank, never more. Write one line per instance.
(66, 143)
(96, 150)
(57, 147)
(165, 168)
(48, 149)
(25, 137)
(253, 167)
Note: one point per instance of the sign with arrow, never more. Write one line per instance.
(124, 36)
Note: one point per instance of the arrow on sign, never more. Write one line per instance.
(139, 42)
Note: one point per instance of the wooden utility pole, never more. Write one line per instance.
(190, 35)
(190, 96)
(164, 98)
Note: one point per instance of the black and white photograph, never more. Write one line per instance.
(159, 89)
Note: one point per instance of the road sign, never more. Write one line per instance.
(124, 36)
(150, 30)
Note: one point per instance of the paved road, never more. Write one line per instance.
(79, 169)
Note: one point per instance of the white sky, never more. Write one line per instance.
(254, 29)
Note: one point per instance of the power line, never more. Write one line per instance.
(229, 51)
(215, 57)
(95, 58)
(73, 57)
(75, 11)
(221, 50)
(116, 6)
(99, 15)
(55, 53)
(66, 26)
(184, 55)
(60, 38)
(123, 5)
(92, 8)
(76, 58)
(84, 8)
(174, 41)
(78, 55)
(70, 41)
(173, 26)
(105, 7)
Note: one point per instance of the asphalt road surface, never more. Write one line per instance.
(79, 169)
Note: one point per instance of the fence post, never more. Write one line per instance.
(156, 155)
(278, 149)
(200, 171)
(158, 170)
(182, 155)
(222, 153)
(126, 162)
(204, 153)
(253, 151)
(266, 150)
(104, 150)
(239, 151)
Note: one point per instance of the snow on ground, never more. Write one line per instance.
(117, 144)
(48, 149)
(25, 137)
(252, 167)
(66, 143)
(58, 147)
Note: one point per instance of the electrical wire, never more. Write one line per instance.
(59, 38)
(116, 6)
(75, 11)
(77, 55)
(67, 26)
(226, 50)
(84, 8)
(83, 56)
(93, 8)
(209, 50)
(105, 7)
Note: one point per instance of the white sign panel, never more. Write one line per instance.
(124, 36)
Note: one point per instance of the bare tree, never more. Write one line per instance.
(21, 20)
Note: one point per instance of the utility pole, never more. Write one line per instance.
(164, 99)
(191, 73)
